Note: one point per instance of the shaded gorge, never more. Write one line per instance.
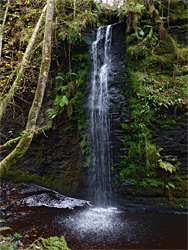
(111, 167)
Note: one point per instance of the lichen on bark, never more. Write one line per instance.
(21, 68)
(25, 142)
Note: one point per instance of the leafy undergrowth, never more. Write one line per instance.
(13, 241)
(161, 92)
(52, 243)
(10, 241)
(157, 68)
(21, 19)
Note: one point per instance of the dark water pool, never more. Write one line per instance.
(40, 214)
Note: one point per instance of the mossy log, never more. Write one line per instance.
(25, 142)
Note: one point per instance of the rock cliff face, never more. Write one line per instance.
(118, 83)
(173, 140)
(55, 158)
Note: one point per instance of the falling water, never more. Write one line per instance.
(100, 189)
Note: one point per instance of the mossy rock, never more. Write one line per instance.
(67, 183)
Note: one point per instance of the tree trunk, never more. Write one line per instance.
(2, 28)
(25, 142)
(21, 67)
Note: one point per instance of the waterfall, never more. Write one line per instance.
(100, 189)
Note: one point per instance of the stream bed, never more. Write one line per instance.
(34, 211)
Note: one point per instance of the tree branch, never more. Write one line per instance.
(24, 134)
(25, 142)
(21, 67)
(2, 28)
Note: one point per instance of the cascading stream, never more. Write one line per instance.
(100, 189)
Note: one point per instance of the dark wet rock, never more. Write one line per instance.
(127, 183)
(173, 140)
(153, 208)
(7, 207)
(3, 194)
(134, 198)
(35, 196)
(56, 157)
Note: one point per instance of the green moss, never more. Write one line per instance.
(69, 91)
(180, 202)
(66, 184)
(180, 14)
(142, 165)
(157, 74)
(70, 178)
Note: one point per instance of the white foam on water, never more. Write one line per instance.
(50, 198)
(96, 224)
(56, 201)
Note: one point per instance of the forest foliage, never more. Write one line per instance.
(156, 60)
(156, 52)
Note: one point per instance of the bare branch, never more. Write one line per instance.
(25, 141)
(24, 134)
(16, 84)
(2, 28)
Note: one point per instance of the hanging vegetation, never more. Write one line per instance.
(158, 95)
(157, 69)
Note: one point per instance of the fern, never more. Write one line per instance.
(51, 243)
(166, 166)
(5, 228)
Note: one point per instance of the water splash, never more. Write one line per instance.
(95, 223)
(100, 189)
(102, 226)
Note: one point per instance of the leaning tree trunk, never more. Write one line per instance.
(2, 27)
(16, 84)
(25, 141)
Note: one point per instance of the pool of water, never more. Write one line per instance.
(42, 212)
